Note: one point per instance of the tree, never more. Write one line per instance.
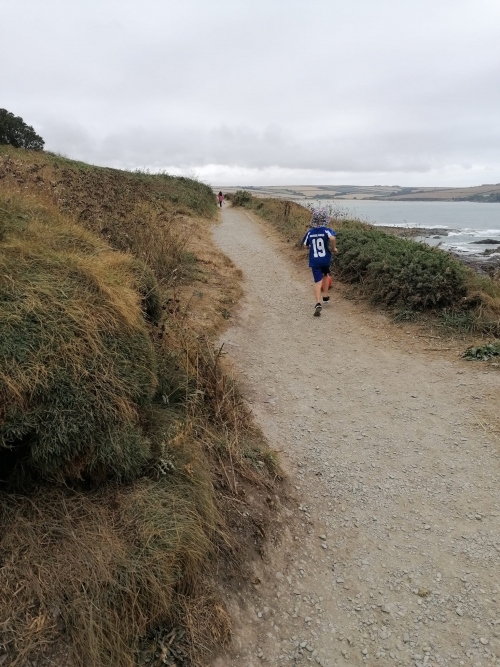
(15, 132)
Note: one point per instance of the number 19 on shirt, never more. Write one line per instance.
(318, 247)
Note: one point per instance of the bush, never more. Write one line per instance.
(77, 364)
(241, 198)
(397, 271)
(15, 132)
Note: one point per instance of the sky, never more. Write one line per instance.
(262, 92)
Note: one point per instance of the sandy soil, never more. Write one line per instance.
(391, 555)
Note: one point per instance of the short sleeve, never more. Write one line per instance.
(305, 240)
(330, 232)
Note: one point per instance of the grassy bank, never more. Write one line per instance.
(124, 444)
(402, 274)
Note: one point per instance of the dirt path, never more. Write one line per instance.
(393, 556)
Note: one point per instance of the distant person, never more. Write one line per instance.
(321, 242)
(220, 197)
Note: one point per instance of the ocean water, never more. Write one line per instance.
(457, 224)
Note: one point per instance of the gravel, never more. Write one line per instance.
(391, 555)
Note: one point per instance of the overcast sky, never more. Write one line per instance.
(254, 92)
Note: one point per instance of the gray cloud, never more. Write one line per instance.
(294, 89)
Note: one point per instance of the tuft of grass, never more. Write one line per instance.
(405, 315)
(458, 321)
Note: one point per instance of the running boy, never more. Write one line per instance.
(319, 239)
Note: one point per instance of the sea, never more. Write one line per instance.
(456, 226)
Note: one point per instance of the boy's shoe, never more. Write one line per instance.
(326, 299)
(317, 310)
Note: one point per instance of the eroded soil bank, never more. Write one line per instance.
(392, 553)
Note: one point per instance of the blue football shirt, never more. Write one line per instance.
(318, 239)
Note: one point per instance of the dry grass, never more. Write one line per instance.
(95, 571)
(149, 216)
(77, 361)
(100, 568)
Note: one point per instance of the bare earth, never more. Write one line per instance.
(391, 555)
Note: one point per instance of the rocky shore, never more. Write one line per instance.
(485, 262)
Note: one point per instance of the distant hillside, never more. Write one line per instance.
(479, 193)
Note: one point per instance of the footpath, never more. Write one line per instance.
(391, 555)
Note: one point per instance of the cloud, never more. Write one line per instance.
(264, 87)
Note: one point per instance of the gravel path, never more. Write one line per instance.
(392, 556)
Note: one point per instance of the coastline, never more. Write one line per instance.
(484, 262)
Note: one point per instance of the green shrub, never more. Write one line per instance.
(397, 271)
(241, 198)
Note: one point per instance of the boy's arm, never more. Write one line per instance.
(333, 243)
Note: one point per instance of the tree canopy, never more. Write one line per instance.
(15, 132)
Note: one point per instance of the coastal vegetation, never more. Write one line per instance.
(125, 447)
(408, 276)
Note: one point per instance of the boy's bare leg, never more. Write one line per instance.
(317, 290)
(324, 284)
